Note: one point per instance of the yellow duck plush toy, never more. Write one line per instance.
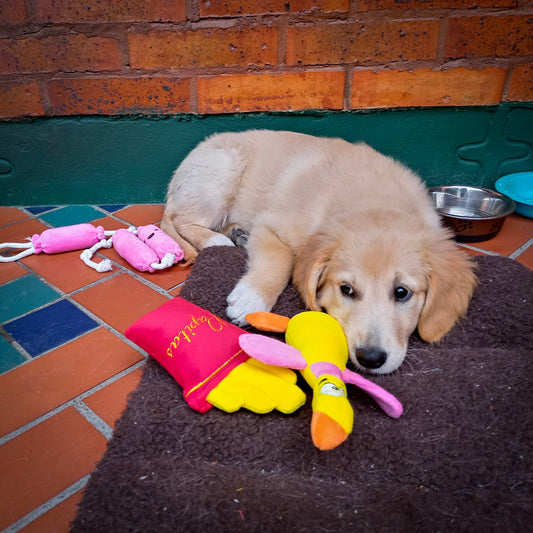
(316, 345)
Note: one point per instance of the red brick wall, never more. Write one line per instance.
(72, 57)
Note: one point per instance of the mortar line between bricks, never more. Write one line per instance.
(47, 506)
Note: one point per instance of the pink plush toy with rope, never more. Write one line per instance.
(147, 248)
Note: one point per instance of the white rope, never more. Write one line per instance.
(87, 255)
(166, 261)
(29, 249)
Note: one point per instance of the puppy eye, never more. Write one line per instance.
(401, 294)
(347, 290)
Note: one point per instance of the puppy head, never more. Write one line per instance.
(381, 290)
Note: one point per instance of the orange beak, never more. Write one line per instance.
(326, 432)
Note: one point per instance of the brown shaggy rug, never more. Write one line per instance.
(458, 459)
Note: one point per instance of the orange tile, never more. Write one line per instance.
(176, 292)
(57, 519)
(47, 382)
(526, 258)
(170, 277)
(109, 223)
(11, 214)
(66, 270)
(19, 231)
(516, 231)
(471, 252)
(109, 402)
(142, 214)
(10, 271)
(46, 460)
(120, 300)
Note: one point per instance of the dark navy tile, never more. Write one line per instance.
(112, 208)
(35, 210)
(50, 327)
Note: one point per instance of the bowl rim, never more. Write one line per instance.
(502, 187)
(497, 194)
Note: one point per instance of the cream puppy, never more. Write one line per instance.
(355, 231)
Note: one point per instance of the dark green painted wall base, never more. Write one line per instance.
(98, 160)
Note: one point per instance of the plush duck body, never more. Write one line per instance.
(322, 343)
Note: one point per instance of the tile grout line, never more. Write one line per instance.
(96, 421)
(47, 506)
(73, 402)
(522, 249)
(111, 380)
(512, 255)
(7, 337)
(476, 249)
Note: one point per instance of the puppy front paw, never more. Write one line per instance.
(244, 300)
(219, 240)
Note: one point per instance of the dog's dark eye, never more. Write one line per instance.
(401, 294)
(347, 290)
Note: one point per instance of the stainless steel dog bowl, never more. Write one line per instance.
(474, 214)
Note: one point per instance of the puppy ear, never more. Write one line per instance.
(451, 284)
(310, 268)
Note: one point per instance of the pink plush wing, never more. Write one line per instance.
(389, 403)
(271, 351)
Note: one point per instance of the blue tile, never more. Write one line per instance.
(72, 214)
(22, 295)
(9, 357)
(50, 327)
(112, 208)
(35, 210)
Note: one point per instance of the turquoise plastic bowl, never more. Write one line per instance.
(519, 187)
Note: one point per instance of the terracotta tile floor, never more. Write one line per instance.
(66, 368)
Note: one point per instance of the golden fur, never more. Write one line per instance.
(354, 229)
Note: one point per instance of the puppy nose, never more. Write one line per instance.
(370, 357)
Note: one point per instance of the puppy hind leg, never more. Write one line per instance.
(189, 250)
(203, 237)
(192, 237)
(270, 267)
